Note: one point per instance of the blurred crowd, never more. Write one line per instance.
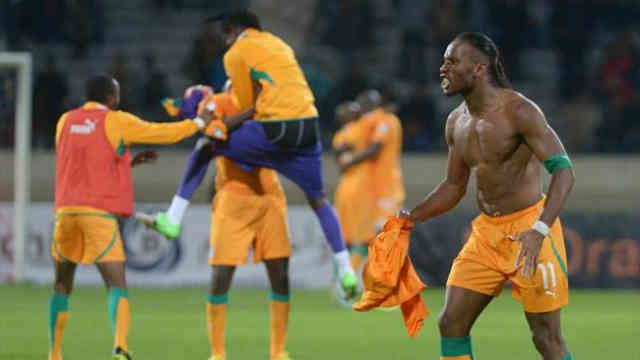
(590, 88)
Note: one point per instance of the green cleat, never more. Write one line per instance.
(349, 284)
(119, 354)
(160, 223)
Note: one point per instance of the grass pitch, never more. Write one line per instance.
(169, 324)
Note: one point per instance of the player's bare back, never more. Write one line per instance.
(507, 172)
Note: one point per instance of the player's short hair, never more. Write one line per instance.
(485, 45)
(99, 87)
(236, 18)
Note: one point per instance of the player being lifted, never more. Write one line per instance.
(277, 126)
(503, 137)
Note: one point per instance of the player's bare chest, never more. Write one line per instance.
(483, 139)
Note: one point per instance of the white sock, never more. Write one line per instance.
(343, 262)
(177, 209)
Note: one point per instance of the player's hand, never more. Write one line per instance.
(345, 159)
(404, 214)
(531, 242)
(147, 156)
(208, 113)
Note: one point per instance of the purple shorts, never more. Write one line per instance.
(248, 145)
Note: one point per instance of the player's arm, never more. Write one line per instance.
(452, 189)
(133, 130)
(381, 134)
(348, 159)
(239, 73)
(531, 124)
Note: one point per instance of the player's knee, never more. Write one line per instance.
(547, 340)
(450, 324)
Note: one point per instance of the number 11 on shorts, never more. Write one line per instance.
(551, 273)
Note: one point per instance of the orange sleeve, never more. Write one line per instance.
(60, 125)
(238, 72)
(123, 128)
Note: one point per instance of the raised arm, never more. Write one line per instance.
(451, 190)
(531, 124)
(132, 130)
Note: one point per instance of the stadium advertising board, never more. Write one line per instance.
(603, 251)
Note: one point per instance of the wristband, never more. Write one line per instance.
(541, 227)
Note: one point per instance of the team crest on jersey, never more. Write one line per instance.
(85, 129)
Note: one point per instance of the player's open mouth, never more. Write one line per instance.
(444, 83)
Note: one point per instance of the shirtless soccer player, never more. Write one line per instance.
(503, 137)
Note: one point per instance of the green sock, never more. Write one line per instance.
(57, 303)
(115, 293)
(456, 346)
(218, 299)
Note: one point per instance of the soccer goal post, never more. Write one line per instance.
(22, 63)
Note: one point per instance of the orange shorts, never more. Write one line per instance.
(242, 222)
(487, 261)
(354, 207)
(85, 235)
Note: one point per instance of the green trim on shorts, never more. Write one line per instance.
(557, 162)
(558, 257)
(113, 241)
(57, 249)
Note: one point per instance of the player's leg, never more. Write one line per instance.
(168, 223)
(546, 330)
(113, 274)
(217, 300)
(249, 145)
(278, 272)
(59, 306)
(461, 309)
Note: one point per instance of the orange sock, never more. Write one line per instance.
(58, 308)
(279, 323)
(120, 314)
(462, 357)
(216, 323)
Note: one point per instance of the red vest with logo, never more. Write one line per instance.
(89, 172)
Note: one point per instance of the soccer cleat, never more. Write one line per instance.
(160, 223)
(216, 357)
(282, 356)
(119, 354)
(349, 284)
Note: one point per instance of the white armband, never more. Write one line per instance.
(541, 227)
(199, 122)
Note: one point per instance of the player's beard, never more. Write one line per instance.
(455, 87)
